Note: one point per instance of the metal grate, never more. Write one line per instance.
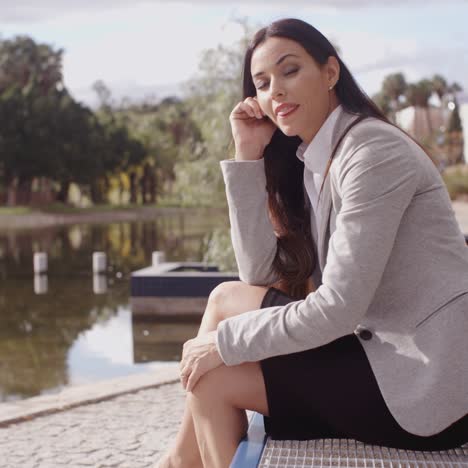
(351, 453)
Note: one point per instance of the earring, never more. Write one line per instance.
(330, 87)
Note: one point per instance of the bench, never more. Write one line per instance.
(256, 449)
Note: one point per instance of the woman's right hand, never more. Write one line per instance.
(251, 129)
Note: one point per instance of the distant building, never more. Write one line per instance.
(462, 99)
(420, 122)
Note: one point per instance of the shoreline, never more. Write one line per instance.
(38, 219)
(19, 411)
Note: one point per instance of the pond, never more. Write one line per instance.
(68, 327)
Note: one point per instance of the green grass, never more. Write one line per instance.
(456, 180)
(15, 210)
(60, 208)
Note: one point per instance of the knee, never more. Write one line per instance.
(208, 387)
(221, 298)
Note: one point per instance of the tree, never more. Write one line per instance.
(439, 86)
(418, 95)
(45, 133)
(454, 88)
(383, 102)
(454, 136)
(28, 65)
(30, 75)
(116, 151)
(211, 95)
(394, 88)
(168, 133)
(103, 93)
(455, 123)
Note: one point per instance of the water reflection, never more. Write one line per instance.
(107, 351)
(159, 338)
(99, 284)
(50, 325)
(41, 284)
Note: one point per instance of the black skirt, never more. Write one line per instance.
(331, 392)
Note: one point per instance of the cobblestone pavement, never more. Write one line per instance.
(129, 431)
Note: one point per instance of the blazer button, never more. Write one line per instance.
(365, 334)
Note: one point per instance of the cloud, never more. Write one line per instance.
(420, 58)
(138, 50)
(372, 56)
(21, 11)
(140, 53)
(130, 91)
(415, 66)
(105, 351)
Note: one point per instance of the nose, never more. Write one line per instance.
(276, 88)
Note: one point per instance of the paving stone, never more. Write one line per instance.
(131, 430)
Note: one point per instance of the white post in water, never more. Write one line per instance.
(99, 263)
(41, 284)
(158, 257)
(40, 263)
(99, 284)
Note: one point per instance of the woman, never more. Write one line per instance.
(322, 187)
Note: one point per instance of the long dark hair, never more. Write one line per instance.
(296, 255)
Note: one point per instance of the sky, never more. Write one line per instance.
(141, 48)
(106, 351)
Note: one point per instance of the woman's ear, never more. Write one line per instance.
(333, 70)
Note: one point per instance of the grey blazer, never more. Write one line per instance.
(393, 270)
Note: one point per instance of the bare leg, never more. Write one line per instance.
(217, 403)
(228, 299)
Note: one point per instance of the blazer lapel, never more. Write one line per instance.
(325, 203)
(324, 208)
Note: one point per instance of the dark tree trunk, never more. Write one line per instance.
(152, 187)
(133, 188)
(24, 192)
(62, 194)
(147, 184)
(105, 190)
(143, 188)
(96, 192)
(12, 192)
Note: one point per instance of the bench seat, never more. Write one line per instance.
(257, 450)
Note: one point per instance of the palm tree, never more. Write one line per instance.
(439, 86)
(418, 95)
(454, 88)
(383, 102)
(454, 136)
(394, 87)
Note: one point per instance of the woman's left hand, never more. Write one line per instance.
(199, 356)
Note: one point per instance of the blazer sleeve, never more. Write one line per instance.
(376, 180)
(252, 233)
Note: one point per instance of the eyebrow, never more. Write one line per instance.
(277, 63)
